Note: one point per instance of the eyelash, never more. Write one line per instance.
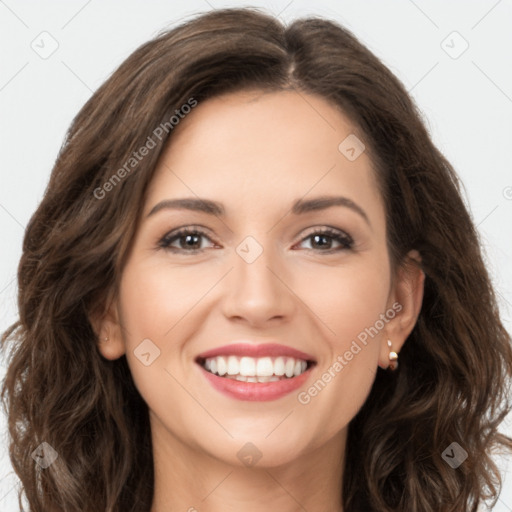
(346, 241)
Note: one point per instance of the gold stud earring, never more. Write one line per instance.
(393, 358)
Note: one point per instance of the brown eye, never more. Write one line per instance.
(323, 240)
(184, 240)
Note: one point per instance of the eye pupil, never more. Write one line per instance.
(320, 237)
(188, 238)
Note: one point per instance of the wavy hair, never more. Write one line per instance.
(455, 367)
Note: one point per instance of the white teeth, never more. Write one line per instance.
(233, 365)
(279, 366)
(264, 367)
(288, 367)
(243, 378)
(248, 366)
(222, 366)
(250, 369)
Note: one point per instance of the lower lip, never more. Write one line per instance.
(255, 391)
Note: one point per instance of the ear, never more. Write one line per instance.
(108, 330)
(407, 297)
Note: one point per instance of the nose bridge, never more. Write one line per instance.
(256, 290)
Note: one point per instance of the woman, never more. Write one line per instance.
(253, 283)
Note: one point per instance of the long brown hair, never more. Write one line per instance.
(454, 368)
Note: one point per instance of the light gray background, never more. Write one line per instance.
(466, 100)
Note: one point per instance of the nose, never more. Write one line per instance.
(259, 292)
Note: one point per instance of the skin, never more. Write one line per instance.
(257, 153)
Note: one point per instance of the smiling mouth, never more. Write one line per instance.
(255, 369)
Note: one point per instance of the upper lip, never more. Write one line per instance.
(256, 350)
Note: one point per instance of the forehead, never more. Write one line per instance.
(252, 147)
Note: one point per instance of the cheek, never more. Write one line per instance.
(160, 303)
(347, 299)
(148, 311)
(142, 301)
(155, 297)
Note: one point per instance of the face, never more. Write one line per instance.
(266, 264)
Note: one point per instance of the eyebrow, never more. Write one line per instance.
(300, 206)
